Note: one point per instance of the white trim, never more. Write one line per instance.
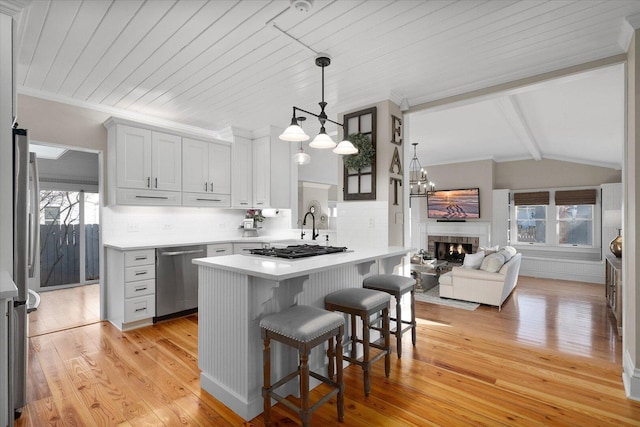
(12, 7)
(630, 377)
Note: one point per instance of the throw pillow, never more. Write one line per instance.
(506, 254)
(492, 263)
(473, 260)
(489, 250)
(509, 250)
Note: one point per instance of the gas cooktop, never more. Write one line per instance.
(298, 251)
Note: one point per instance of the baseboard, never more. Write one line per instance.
(630, 378)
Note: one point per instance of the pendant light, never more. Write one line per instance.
(295, 132)
(419, 184)
(301, 158)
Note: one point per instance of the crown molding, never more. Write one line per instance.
(12, 7)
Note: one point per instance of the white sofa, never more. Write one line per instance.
(481, 286)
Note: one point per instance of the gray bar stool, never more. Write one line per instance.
(303, 327)
(396, 286)
(364, 303)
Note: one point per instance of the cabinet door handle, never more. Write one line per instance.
(141, 288)
(141, 309)
(140, 258)
(209, 200)
(211, 185)
(205, 187)
(221, 250)
(156, 182)
(148, 182)
(244, 203)
(140, 273)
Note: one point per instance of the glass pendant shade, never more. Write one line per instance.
(301, 158)
(345, 147)
(294, 133)
(322, 141)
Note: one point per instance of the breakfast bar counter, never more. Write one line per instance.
(236, 291)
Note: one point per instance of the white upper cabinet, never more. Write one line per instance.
(220, 168)
(166, 161)
(206, 173)
(148, 160)
(144, 165)
(133, 148)
(262, 173)
(242, 176)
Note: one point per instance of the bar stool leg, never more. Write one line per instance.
(366, 364)
(354, 337)
(339, 379)
(413, 318)
(266, 380)
(387, 341)
(304, 387)
(399, 325)
(331, 355)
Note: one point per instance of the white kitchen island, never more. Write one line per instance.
(236, 291)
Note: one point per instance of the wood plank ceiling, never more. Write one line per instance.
(215, 64)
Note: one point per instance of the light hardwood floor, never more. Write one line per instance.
(550, 357)
(64, 309)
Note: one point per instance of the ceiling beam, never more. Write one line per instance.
(514, 86)
(510, 109)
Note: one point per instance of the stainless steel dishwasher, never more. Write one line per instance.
(177, 280)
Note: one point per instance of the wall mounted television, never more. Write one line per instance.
(454, 204)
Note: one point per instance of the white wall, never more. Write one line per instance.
(363, 224)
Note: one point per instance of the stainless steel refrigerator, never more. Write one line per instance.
(25, 244)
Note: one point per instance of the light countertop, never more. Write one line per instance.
(273, 268)
(164, 241)
(8, 289)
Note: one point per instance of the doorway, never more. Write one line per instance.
(68, 260)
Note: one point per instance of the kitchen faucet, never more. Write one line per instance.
(313, 226)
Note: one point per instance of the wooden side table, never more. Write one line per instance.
(431, 268)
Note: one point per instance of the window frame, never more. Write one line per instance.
(552, 245)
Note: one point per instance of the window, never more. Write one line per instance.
(568, 218)
(532, 223)
(574, 217)
(531, 216)
(575, 225)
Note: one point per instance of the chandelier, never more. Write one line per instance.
(419, 184)
(295, 133)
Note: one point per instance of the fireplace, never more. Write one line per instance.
(454, 247)
(452, 252)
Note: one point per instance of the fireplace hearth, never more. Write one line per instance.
(452, 251)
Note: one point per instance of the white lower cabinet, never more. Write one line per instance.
(220, 249)
(131, 287)
(244, 248)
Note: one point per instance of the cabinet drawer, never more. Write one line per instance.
(139, 308)
(220, 249)
(139, 288)
(143, 272)
(127, 196)
(206, 199)
(143, 257)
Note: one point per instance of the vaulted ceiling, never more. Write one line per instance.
(215, 64)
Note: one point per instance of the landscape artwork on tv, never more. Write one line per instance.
(454, 204)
